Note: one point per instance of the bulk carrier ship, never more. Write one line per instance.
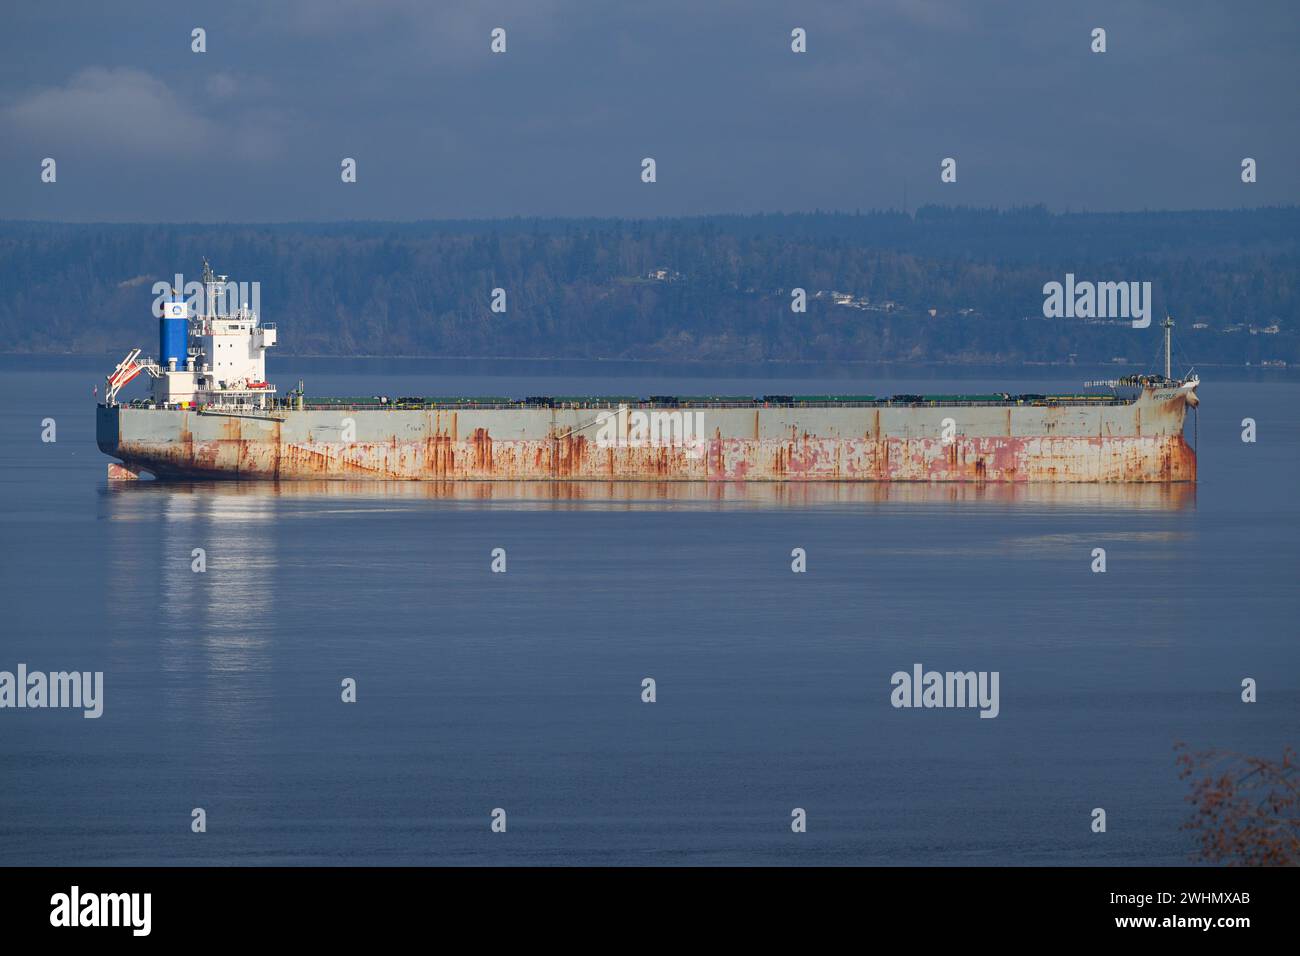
(212, 414)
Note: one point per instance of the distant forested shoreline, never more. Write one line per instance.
(942, 285)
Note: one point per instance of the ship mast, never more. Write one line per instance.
(1167, 325)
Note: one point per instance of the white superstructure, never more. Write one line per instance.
(212, 353)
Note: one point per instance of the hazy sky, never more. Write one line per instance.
(255, 128)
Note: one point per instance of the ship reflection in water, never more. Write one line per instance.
(212, 593)
(638, 495)
(222, 628)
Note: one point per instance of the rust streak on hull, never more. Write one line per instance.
(1164, 458)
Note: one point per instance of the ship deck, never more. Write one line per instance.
(707, 402)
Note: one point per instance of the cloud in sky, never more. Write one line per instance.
(127, 113)
(121, 110)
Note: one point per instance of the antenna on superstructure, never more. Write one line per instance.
(211, 284)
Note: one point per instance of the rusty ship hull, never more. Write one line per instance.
(1135, 440)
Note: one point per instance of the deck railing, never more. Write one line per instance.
(683, 406)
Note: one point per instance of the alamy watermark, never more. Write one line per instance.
(626, 428)
(922, 688)
(75, 908)
(81, 690)
(1098, 300)
(217, 298)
